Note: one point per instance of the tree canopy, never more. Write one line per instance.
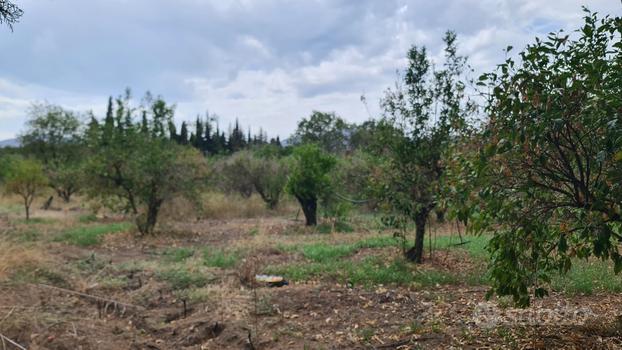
(550, 163)
(422, 114)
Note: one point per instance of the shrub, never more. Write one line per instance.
(309, 179)
(25, 178)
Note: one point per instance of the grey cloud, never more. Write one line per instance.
(263, 61)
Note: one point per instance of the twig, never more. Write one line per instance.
(11, 342)
(94, 297)
(7, 315)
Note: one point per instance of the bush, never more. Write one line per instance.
(310, 179)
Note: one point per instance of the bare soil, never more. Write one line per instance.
(144, 312)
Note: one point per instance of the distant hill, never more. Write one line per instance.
(9, 143)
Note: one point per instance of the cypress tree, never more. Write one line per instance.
(208, 146)
(183, 134)
(198, 134)
(108, 123)
(144, 125)
(172, 130)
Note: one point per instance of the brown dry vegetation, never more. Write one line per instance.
(347, 290)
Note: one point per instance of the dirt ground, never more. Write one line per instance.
(65, 309)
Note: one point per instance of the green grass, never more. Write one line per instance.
(219, 258)
(31, 234)
(370, 271)
(476, 246)
(35, 221)
(340, 226)
(178, 254)
(328, 261)
(180, 278)
(32, 274)
(87, 236)
(588, 277)
(87, 218)
(322, 252)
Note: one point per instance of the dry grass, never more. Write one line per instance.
(223, 206)
(15, 257)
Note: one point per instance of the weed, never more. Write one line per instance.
(87, 218)
(414, 327)
(219, 258)
(91, 264)
(264, 306)
(113, 282)
(339, 226)
(199, 295)
(436, 326)
(28, 236)
(35, 221)
(322, 252)
(178, 254)
(366, 333)
(28, 274)
(180, 278)
(507, 336)
(504, 302)
(587, 277)
(253, 232)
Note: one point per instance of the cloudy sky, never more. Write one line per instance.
(267, 62)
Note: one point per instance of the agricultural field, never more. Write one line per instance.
(75, 280)
(320, 175)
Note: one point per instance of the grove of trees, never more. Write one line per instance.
(538, 166)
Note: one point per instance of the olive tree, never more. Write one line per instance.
(258, 171)
(25, 178)
(233, 174)
(269, 177)
(142, 169)
(551, 162)
(309, 178)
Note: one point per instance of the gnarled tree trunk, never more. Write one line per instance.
(309, 208)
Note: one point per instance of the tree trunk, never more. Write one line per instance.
(309, 208)
(27, 210)
(415, 254)
(48, 203)
(440, 215)
(151, 217)
(65, 195)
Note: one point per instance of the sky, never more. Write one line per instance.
(268, 63)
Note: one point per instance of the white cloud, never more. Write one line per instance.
(268, 63)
